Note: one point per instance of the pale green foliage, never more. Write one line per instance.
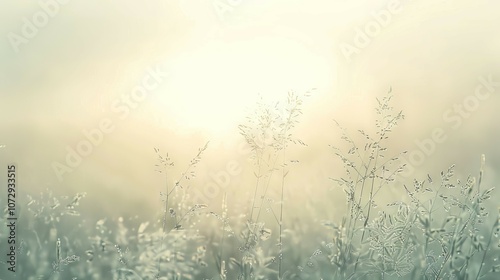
(439, 230)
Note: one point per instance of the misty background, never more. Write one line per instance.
(220, 59)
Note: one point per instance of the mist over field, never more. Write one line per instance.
(92, 92)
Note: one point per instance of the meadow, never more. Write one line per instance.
(441, 227)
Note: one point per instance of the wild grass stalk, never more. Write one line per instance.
(164, 164)
(367, 171)
(268, 135)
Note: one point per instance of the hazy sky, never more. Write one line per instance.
(65, 68)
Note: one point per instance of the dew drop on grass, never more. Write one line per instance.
(317, 253)
(265, 234)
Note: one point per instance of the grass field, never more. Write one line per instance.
(442, 227)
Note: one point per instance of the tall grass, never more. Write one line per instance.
(268, 134)
(368, 169)
(440, 228)
(177, 217)
(438, 232)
